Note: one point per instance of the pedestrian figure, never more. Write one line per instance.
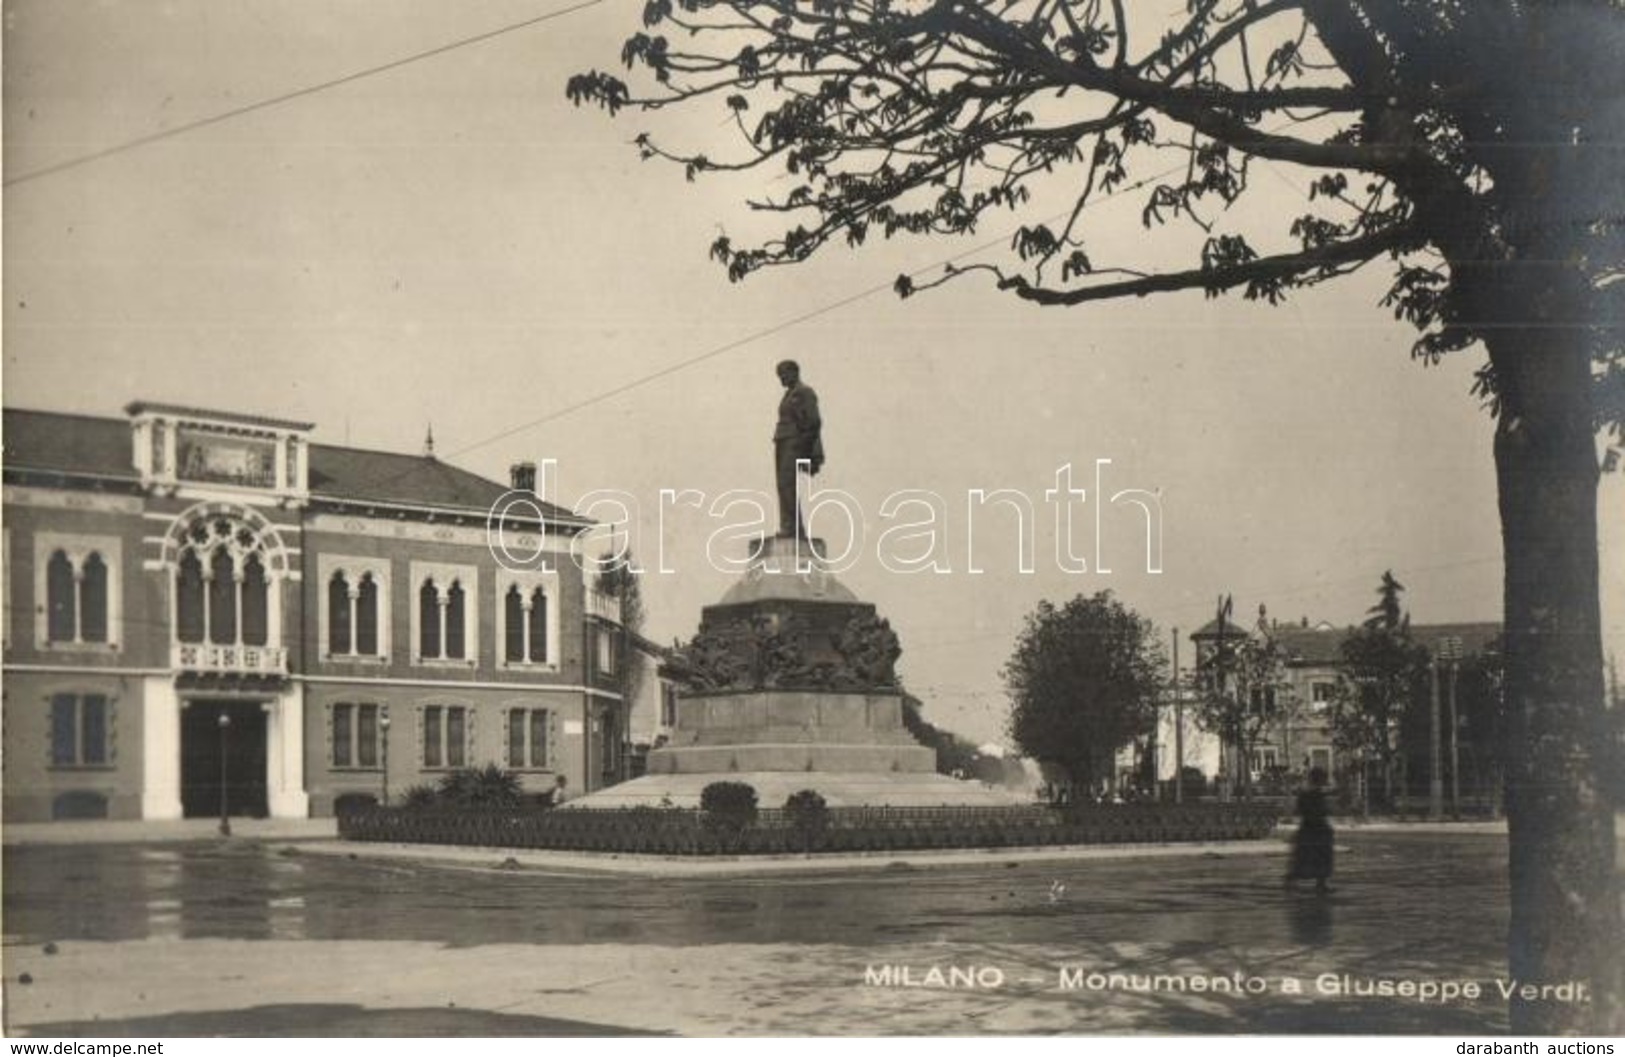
(1312, 844)
(560, 793)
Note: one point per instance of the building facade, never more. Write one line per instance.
(1311, 654)
(206, 611)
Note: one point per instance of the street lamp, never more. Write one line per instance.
(1450, 650)
(225, 815)
(383, 725)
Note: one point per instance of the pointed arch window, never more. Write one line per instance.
(513, 605)
(93, 599)
(525, 619)
(456, 616)
(429, 620)
(77, 588)
(366, 616)
(355, 609)
(538, 626)
(222, 598)
(190, 618)
(444, 623)
(225, 592)
(62, 599)
(338, 614)
(255, 592)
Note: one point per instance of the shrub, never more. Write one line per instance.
(488, 786)
(420, 796)
(809, 817)
(729, 798)
(728, 810)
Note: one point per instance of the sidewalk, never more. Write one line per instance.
(580, 862)
(151, 832)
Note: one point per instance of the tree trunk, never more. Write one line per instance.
(1565, 920)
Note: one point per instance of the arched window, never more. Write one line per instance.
(93, 599)
(222, 599)
(255, 614)
(61, 604)
(226, 591)
(366, 616)
(429, 620)
(455, 631)
(513, 618)
(338, 614)
(189, 621)
(538, 626)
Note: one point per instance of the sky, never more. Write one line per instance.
(450, 243)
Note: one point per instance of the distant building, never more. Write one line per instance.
(1303, 739)
(203, 604)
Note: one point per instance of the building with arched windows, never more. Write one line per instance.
(205, 607)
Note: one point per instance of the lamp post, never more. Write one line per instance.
(383, 725)
(225, 813)
(1450, 652)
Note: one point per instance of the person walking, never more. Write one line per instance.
(1312, 844)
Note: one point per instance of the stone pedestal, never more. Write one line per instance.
(790, 686)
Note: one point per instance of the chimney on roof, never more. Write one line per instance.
(522, 477)
(1303, 621)
(428, 442)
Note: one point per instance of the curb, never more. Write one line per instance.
(610, 863)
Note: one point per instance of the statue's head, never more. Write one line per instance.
(789, 372)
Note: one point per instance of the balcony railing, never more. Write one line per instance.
(604, 605)
(242, 660)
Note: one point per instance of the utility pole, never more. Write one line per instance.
(1179, 729)
(1436, 766)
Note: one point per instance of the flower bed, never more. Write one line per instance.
(675, 831)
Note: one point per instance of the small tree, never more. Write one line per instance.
(728, 809)
(809, 817)
(1382, 673)
(1083, 682)
(1245, 695)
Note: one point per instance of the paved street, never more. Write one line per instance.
(251, 937)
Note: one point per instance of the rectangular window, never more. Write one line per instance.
(356, 735)
(343, 742)
(606, 652)
(445, 736)
(1320, 693)
(93, 729)
(538, 737)
(65, 730)
(456, 728)
(433, 754)
(79, 730)
(517, 757)
(527, 737)
(1321, 758)
(366, 735)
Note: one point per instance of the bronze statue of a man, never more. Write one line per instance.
(796, 437)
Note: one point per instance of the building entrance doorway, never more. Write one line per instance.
(223, 754)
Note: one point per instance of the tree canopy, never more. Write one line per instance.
(1245, 693)
(1083, 682)
(1417, 142)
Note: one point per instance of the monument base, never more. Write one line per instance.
(773, 788)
